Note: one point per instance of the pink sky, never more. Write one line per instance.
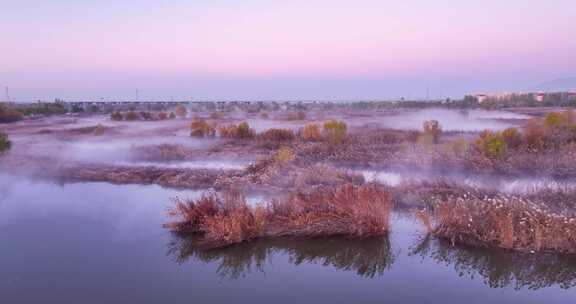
(282, 49)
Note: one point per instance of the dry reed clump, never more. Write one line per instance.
(201, 128)
(240, 131)
(181, 112)
(501, 221)
(223, 220)
(300, 115)
(162, 116)
(335, 131)
(132, 116)
(277, 135)
(284, 155)
(433, 130)
(348, 210)
(116, 116)
(356, 211)
(311, 132)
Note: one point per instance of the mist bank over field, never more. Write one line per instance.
(451, 120)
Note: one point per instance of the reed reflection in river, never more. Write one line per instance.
(368, 258)
(500, 268)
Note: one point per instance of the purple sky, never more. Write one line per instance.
(255, 49)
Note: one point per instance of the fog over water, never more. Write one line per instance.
(452, 120)
(503, 184)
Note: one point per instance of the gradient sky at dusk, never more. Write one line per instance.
(297, 49)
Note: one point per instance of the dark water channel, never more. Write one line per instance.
(102, 243)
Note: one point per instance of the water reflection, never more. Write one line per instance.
(367, 258)
(502, 268)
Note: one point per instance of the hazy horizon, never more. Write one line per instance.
(256, 49)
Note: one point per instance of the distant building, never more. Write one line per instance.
(540, 96)
(481, 97)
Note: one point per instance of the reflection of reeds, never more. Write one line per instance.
(501, 221)
(355, 211)
(502, 268)
(369, 257)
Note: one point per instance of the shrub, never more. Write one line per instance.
(553, 120)
(491, 145)
(347, 210)
(311, 132)
(146, 115)
(512, 137)
(296, 116)
(241, 131)
(458, 147)
(116, 116)
(244, 131)
(568, 117)
(132, 116)
(277, 135)
(501, 221)
(8, 115)
(264, 115)
(172, 115)
(181, 111)
(335, 131)
(534, 135)
(426, 139)
(284, 155)
(228, 131)
(201, 128)
(355, 211)
(5, 143)
(433, 130)
(162, 116)
(222, 220)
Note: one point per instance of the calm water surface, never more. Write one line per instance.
(101, 243)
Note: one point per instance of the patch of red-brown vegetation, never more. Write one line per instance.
(510, 222)
(347, 210)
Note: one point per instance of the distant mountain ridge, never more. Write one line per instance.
(560, 84)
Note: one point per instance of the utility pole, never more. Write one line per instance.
(7, 94)
(137, 95)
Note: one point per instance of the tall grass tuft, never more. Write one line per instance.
(347, 210)
(277, 135)
(501, 221)
(311, 132)
(335, 131)
(201, 128)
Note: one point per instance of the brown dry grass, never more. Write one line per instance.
(277, 135)
(311, 132)
(201, 128)
(348, 210)
(501, 221)
(240, 131)
(357, 211)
